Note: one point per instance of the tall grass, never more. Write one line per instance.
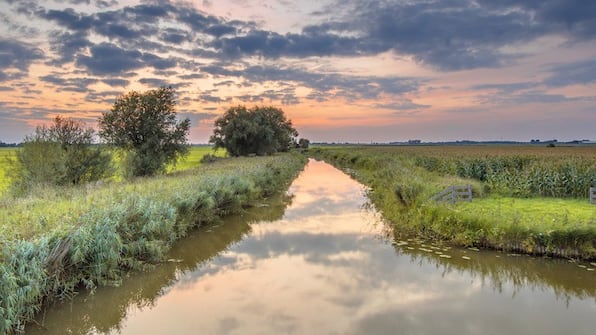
(402, 189)
(518, 171)
(61, 238)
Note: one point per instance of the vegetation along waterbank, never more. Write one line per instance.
(526, 199)
(60, 238)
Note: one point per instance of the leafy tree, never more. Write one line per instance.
(303, 143)
(60, 154)
(145, 126)
(260, 131)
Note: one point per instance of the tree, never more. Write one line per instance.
(303, 143)
(145, 126)
(259, 131)
(60, 154)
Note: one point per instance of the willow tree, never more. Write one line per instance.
(144, 124)
(258, 131)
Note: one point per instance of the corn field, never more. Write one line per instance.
(520, 172)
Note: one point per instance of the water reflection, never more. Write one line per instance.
(323, 266)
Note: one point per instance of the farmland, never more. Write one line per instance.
(527, 199)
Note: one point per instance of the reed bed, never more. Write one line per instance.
(60, 240)
(402, 189)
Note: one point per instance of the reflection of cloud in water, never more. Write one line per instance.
(325, 268)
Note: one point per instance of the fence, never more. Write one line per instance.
(593, 195)
(454, 194)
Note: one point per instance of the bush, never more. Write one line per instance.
(61, 154)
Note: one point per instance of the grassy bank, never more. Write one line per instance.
(402, 188)
(192, 160)
(60, 240)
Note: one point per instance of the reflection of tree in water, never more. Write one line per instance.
(500, 269)
(104, 311)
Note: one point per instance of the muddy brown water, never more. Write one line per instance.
(323, 262)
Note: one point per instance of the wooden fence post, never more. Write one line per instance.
(593, 195)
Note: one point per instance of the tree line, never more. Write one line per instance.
(143, 128)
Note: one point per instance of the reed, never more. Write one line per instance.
(61, 239)
(402, 182)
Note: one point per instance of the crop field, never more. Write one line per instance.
(526, 198)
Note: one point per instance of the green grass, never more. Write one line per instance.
(192, 160)
(5, 155)
(545, 212)
(58, 239)
(402, 190)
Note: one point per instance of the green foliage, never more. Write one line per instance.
(303, 143)
(259, 131)
(61, 154)
(402, 183)
(520, 175)
(57, 240)
(145, 126)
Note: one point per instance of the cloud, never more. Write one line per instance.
(69, 84)
(582, 73)
(109, 59)
(116, 82)
(572, 17)
(68, 18)
(66, 45)
(405, 105)
(158, 82)
(16, 57)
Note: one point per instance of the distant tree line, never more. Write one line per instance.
(9, 145)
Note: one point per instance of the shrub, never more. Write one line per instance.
(61, 154)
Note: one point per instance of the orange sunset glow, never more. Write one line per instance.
(342, 71)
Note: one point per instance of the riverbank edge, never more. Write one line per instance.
(413, 215)
(135, 230)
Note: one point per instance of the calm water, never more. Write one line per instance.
(319, 263)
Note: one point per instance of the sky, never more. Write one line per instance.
(342, 70)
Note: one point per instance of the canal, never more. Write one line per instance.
(320, 260)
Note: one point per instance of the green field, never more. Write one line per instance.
(193, 159)
(530, 199)
(5, 155)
